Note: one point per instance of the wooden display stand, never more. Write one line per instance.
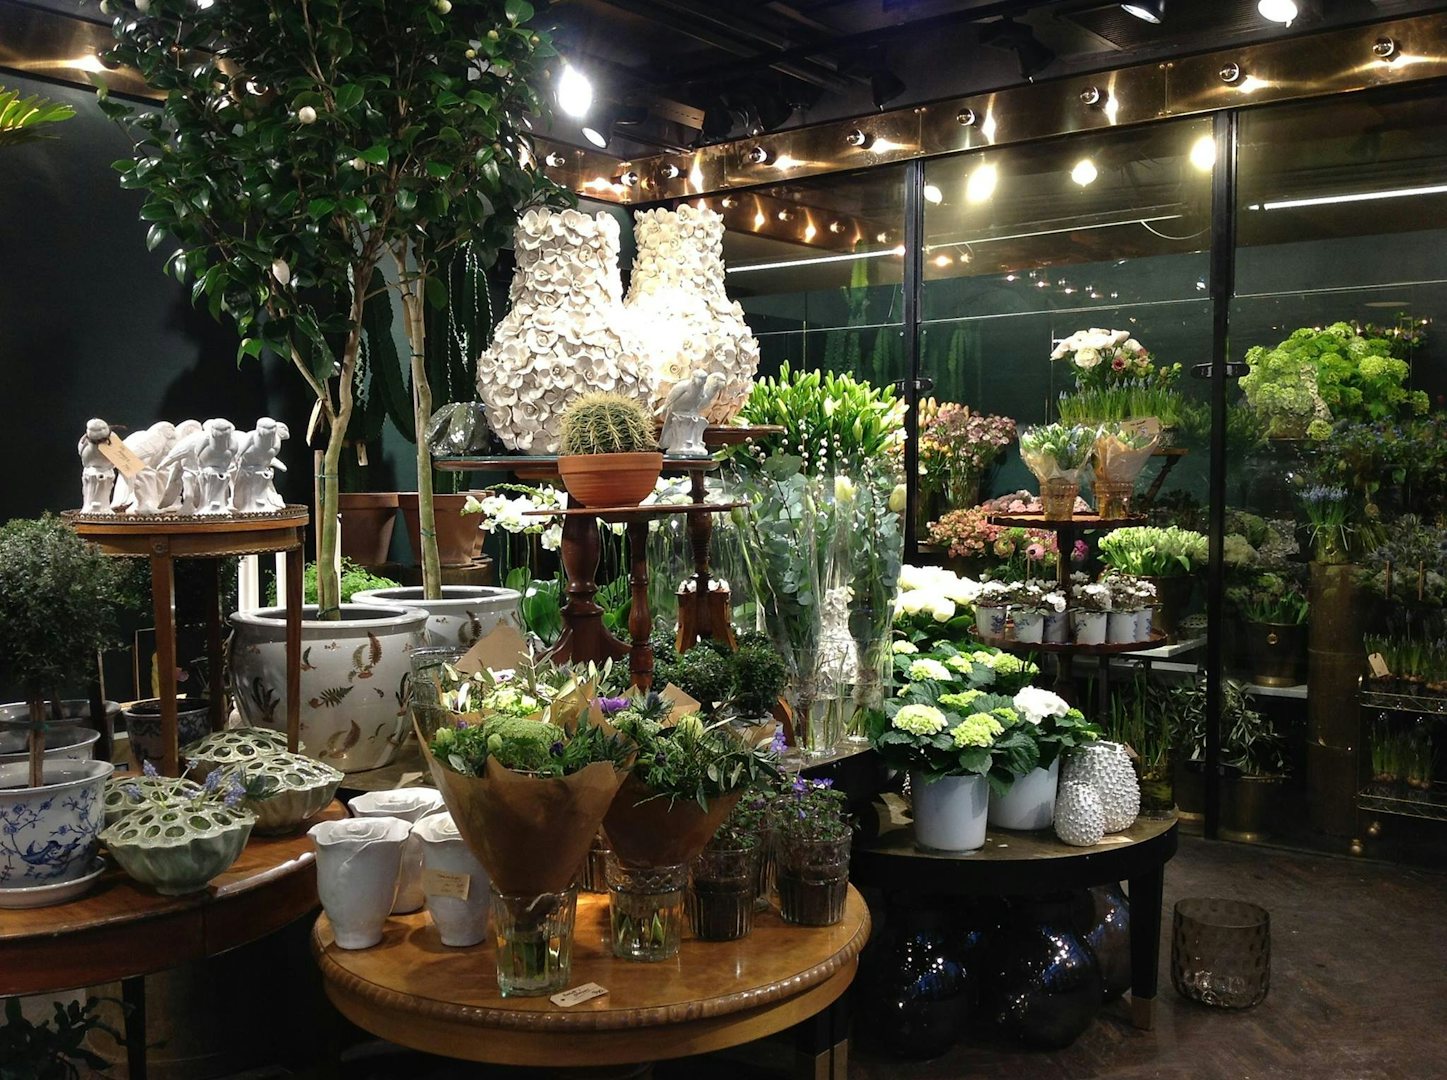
(163, 538)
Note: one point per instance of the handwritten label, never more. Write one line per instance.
(445, 883)
(1378, 665)
(122, 457)
(577, 995)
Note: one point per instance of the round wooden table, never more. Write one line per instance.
(122, 931)
(412, 990)
(1033, 864)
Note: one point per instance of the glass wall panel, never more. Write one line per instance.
(1026, 245)
(818, 267)
(1336, 487)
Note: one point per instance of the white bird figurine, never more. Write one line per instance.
(144, 495)
(683, 413)
(184, 463)
(217, 459)
(97, 474)
(253, 490)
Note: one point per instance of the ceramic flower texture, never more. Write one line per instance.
(1034, 704)
(684, 321)
(566, 333)
(920, 720)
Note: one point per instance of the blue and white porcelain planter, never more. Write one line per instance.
(990, 621)
(1029, 625)
(67, 741)
(48, 834)
(463, 615)
(354, 673)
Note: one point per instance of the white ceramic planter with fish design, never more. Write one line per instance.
(464, 614)
(353, 678)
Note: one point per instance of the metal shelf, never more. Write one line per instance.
(1427, 704)
(1430, 805)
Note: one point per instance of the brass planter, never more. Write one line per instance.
(1247, 805)
(1173, 595)
(1275, 652)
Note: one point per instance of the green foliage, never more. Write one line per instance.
(58, 601)
(542, 604)
(535, 747)
(690, 760)
(607, 423)
(1330, 374)
(702, 674)
(828, 420)
(810, 811)
(1270, 597)
(1249, 741)
(760, 675)
(1147, 551)
(941, 729)
(1130, 401)
(1056, 448)
(354, 579)
(51, 1051)
(26, 119)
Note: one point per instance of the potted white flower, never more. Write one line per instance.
(1089, 612)
(1028, 607)
(1056, 727)
(992, 609)
(1130, 608)
(1056, 621)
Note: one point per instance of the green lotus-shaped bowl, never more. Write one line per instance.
(178, 849)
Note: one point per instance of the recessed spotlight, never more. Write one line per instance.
(1203, 153)
(670, 171)
(932, 194)
(1281, 11)
(758, 155)
(943, 260)
(981, 184)
(1084, 172)
(857, 138)
(1151, 11)
(575, 92)
(555, 160)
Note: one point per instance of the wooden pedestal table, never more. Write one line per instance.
(163, 538)
(123, 931)
(413, 991)
(1033, 864)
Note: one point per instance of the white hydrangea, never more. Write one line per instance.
(1035, 703)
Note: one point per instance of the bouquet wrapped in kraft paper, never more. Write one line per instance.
(686, 779)
(525, 769)
(1121, 452)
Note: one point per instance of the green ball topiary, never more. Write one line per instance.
(605, 423)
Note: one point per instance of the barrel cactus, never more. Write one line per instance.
(606, 423)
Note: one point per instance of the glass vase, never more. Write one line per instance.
(645, 908)
(722, 886)
(1057, 499)
(1221, 952)
(1112, 498)
(811, 879)
(534, 936)
(421, 693)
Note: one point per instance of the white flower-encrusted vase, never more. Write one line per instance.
(1106, 767)
(565, 334)
(683, 318)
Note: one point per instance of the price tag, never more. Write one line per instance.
(577, 995)
(1378, 665)
(446, 883)
(409, 778)
(122, 457)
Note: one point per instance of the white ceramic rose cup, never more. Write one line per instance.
(358, 863)
(457, 887)
(411, 805)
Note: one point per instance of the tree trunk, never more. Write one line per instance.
(37, 741)
(413, 294)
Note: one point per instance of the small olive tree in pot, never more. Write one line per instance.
(302, 148)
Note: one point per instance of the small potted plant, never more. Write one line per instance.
(724, 878)
(1056, 453)
(1130, 616)
(610, 456)
(760, 676)
(687, 778)
(812, 842)
(1252, 755)
(1273, 609)
(1056, 727)
(1028, 607)
(57, 601)
(1090, 603)
(1167, 558)
(992, 610)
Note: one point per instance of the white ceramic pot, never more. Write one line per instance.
(463, 615)
(460, 888)
(1144, 623)
(1089, 627)
(1030, 802)
(990, 621)
(1121, 627)
(353, 679)
(1029, 625)
(950, 813)
(48, 833)
(358, 860)
(68, 741)
(411, 805)
(1056, 624)
(72, 710)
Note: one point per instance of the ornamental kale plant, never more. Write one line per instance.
(299, 146)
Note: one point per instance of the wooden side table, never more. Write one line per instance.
(163, 538)
(122, 931)
(1034, 864)
(412, 990)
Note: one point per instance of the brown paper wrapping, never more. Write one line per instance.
(1119, 464)
(646, 829)
(530, 834)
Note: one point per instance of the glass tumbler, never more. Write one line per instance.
(645, 908)
(1221, 952)
(534, 936)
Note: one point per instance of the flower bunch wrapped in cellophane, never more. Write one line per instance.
(1057, 451)
(1123, 448)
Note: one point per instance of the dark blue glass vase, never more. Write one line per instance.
(1042, 986)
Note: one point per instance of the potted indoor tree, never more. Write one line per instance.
(1252, 758)
(317, 145)
(298, 152)
(609, 456)
(58, 596)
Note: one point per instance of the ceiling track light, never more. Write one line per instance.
(1231, 73)
(1279, 11)
(670, 171)
(1384, 48)
(759, 155)
(1093, 97)
(857, 138)
(628, 178)
(965, 118)
(1151, 11)
(555, 160)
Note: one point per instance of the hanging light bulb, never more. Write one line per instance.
(1203, 153)
(1084, 172)
(981, 184)
(575, 92)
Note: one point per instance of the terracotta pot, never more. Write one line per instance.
(458, 534)
(368, 518)
(610, 479)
